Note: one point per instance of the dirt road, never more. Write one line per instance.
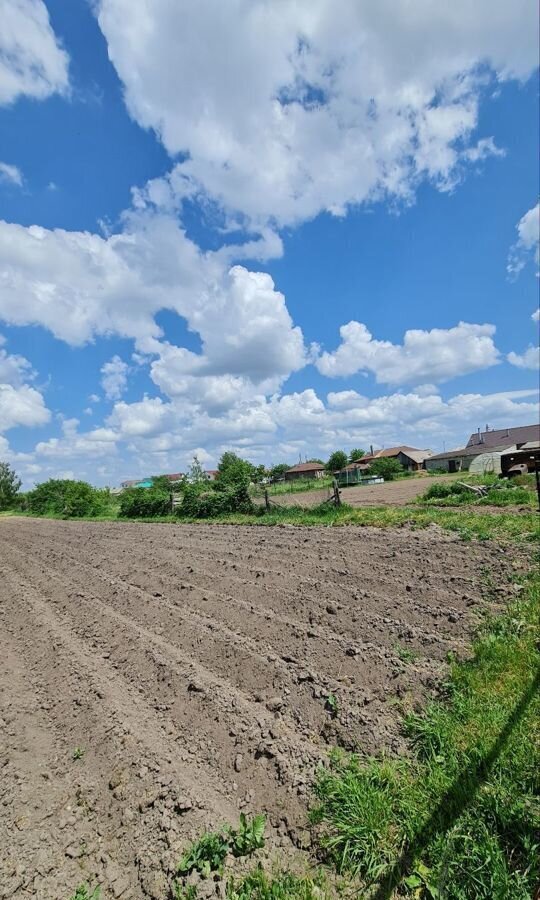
(157, 679)
(391, 493)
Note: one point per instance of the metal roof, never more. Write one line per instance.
(306, 467)
(519, 435)
(469, 451)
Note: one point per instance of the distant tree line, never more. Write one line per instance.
(200, 497)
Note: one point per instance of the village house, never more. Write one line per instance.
(305, 470)
(411, 458)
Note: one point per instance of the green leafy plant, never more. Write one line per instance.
(206, 855)
(184, 892)
(405, 654)
(84, 892)
(78, 753)
(332, 705)
(249, 836)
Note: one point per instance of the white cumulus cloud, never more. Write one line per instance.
(32, 61)
(285, 110)
(20, 403)
(80, 285)
(529, 359)
(114, 377)
(527, 245)
(437, 355)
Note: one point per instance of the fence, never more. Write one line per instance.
(330, 495)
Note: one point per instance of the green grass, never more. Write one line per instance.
(459, 818)
(298, 486)
(467, 522)
(500, 492)
(257, 885)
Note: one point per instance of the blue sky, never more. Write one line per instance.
(261, 232)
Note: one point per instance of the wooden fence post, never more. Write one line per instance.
(266, 500)
(337, 498)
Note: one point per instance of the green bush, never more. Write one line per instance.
(63, 497)
(208, 504)
(386, 468)
(142, 503)
(444, 489)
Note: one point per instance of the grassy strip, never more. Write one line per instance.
(467, 523)
(257, 885)
(460, 818)
(298, 486)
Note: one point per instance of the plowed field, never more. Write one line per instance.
(155, 680)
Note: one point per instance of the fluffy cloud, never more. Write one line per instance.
(79, 285)
(114, 377)
(32, 62)
(72, 444)
(10, 174)
(527, 244)
(282, 111)
(20, 404)
(439, 354)
(529, 359)
(14, 369)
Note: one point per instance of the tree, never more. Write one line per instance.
(65, 497)
(338, 460)
(161, 483)
(232, 469)
(259, 473)
(278, 471)
(196, 473)
(356, 454)
(9, 485)
(387, 468)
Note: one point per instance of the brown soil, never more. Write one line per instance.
(391, 493)
(191, 665)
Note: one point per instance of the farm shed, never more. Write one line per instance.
(458, 460)
(411, 458)
(504, 437)
(305, 470)
(483, 443)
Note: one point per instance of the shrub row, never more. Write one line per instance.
(62, 497)
(198, 502)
